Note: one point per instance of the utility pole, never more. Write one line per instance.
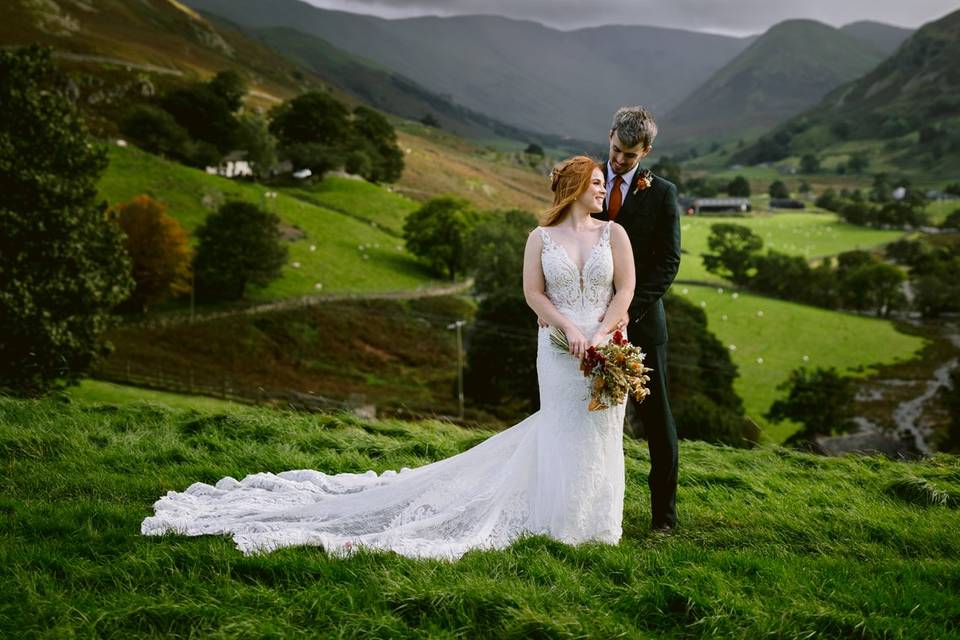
(458, 325)
(193, 280)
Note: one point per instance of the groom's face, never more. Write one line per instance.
(622, 157)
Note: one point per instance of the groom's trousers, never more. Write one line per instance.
(657, 425)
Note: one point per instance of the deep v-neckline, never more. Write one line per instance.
(589, 257)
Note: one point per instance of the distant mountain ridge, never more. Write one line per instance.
(392, 92)
(885, 38)
(533, 77)
(787, 69)
(916, 91)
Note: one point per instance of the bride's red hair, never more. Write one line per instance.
(569, 180)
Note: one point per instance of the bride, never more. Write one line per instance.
(559, 472)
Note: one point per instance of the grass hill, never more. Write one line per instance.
(149, 40)
(787, 69)
(520, 72)
(396, 355)
(769, 338)
(772, 543)
(437, 163)
(348, 252)
(811, 235)
(905, 112)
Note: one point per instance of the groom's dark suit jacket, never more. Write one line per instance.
(651, 218)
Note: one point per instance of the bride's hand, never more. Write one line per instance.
(599, 338)
(578, 343)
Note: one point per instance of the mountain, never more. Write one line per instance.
(908, 104)
(789, 68)
(120, 52)
(392, 92)
(161, 37)
(519, 72)
(884, 38)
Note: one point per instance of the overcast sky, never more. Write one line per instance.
(733, 17)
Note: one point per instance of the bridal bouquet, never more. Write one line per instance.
(616, 369)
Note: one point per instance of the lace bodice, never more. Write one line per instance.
(571, 291)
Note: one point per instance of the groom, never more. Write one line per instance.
(646, 206)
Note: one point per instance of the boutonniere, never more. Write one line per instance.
(642, 181)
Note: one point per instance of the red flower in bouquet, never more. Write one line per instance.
(616, 369)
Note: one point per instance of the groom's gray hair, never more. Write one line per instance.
(634, 125)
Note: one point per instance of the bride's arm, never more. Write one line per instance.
(624, 281)
(534, 292)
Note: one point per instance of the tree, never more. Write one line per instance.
(231, 88)
(809, 163)
(238, 245)
(669, 169)
(206, 115)
(828, 200)
(534, 149)
(373, 134)
(858, 162)
(908, 252)
(733, 250)
(63, 267)
(738, 188)
(155, 130)
(778, 189)
(821, 400)
(254, 137)
(437, 232)
(950, 441)
(159, 250)
(876, 286)
(312, 117)
(952, 221)
(495, 251)
(781, 276)
(312, 131)
(501, 372)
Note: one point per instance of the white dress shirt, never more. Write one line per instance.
(624, 186)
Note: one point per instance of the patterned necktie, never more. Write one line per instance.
(616, 198)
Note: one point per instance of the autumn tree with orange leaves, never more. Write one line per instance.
(158, 246)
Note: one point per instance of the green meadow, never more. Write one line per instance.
(330, 251)
(810, 235)
(383, 208)
(90, 391)
(769, 338)
(772, 543)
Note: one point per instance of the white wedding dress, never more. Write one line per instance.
(559, 472)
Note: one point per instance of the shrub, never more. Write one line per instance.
(159, 251)
(240, 244)
(437, 232)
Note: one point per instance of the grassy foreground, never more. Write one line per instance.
(772, 543)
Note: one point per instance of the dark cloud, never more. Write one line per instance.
(739, 17)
